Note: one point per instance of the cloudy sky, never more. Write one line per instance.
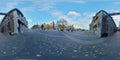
(79, 12)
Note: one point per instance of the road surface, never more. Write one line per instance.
(57, 45)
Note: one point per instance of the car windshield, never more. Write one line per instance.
(59, 30)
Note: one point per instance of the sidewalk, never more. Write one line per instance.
(4, 37)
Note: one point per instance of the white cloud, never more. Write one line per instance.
(30, 23)
(116, 19)
(30, 26)
(82, 21)
(118, 2)
(27, 8)
(46, 7)
(79, 1)
(29, 20)
(85, 20)
(57, 13)
(89, 14)
(1, 17)
(78, 21)
(42, 5)
(60, 15)
(69, 20)
(11, 5)
(73, 13)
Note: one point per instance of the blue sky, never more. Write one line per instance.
(79, 12)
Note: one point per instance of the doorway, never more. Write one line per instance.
(18, 26)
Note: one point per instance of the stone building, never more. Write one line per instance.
(103, 24)
(13, 22)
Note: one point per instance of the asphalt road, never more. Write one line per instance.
(57, 45)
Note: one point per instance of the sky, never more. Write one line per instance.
(78, 12)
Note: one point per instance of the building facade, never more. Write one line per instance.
(103, 24)
(13, 22)
(119, 26)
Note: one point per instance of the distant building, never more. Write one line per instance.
(102, 24)
(13, 22)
